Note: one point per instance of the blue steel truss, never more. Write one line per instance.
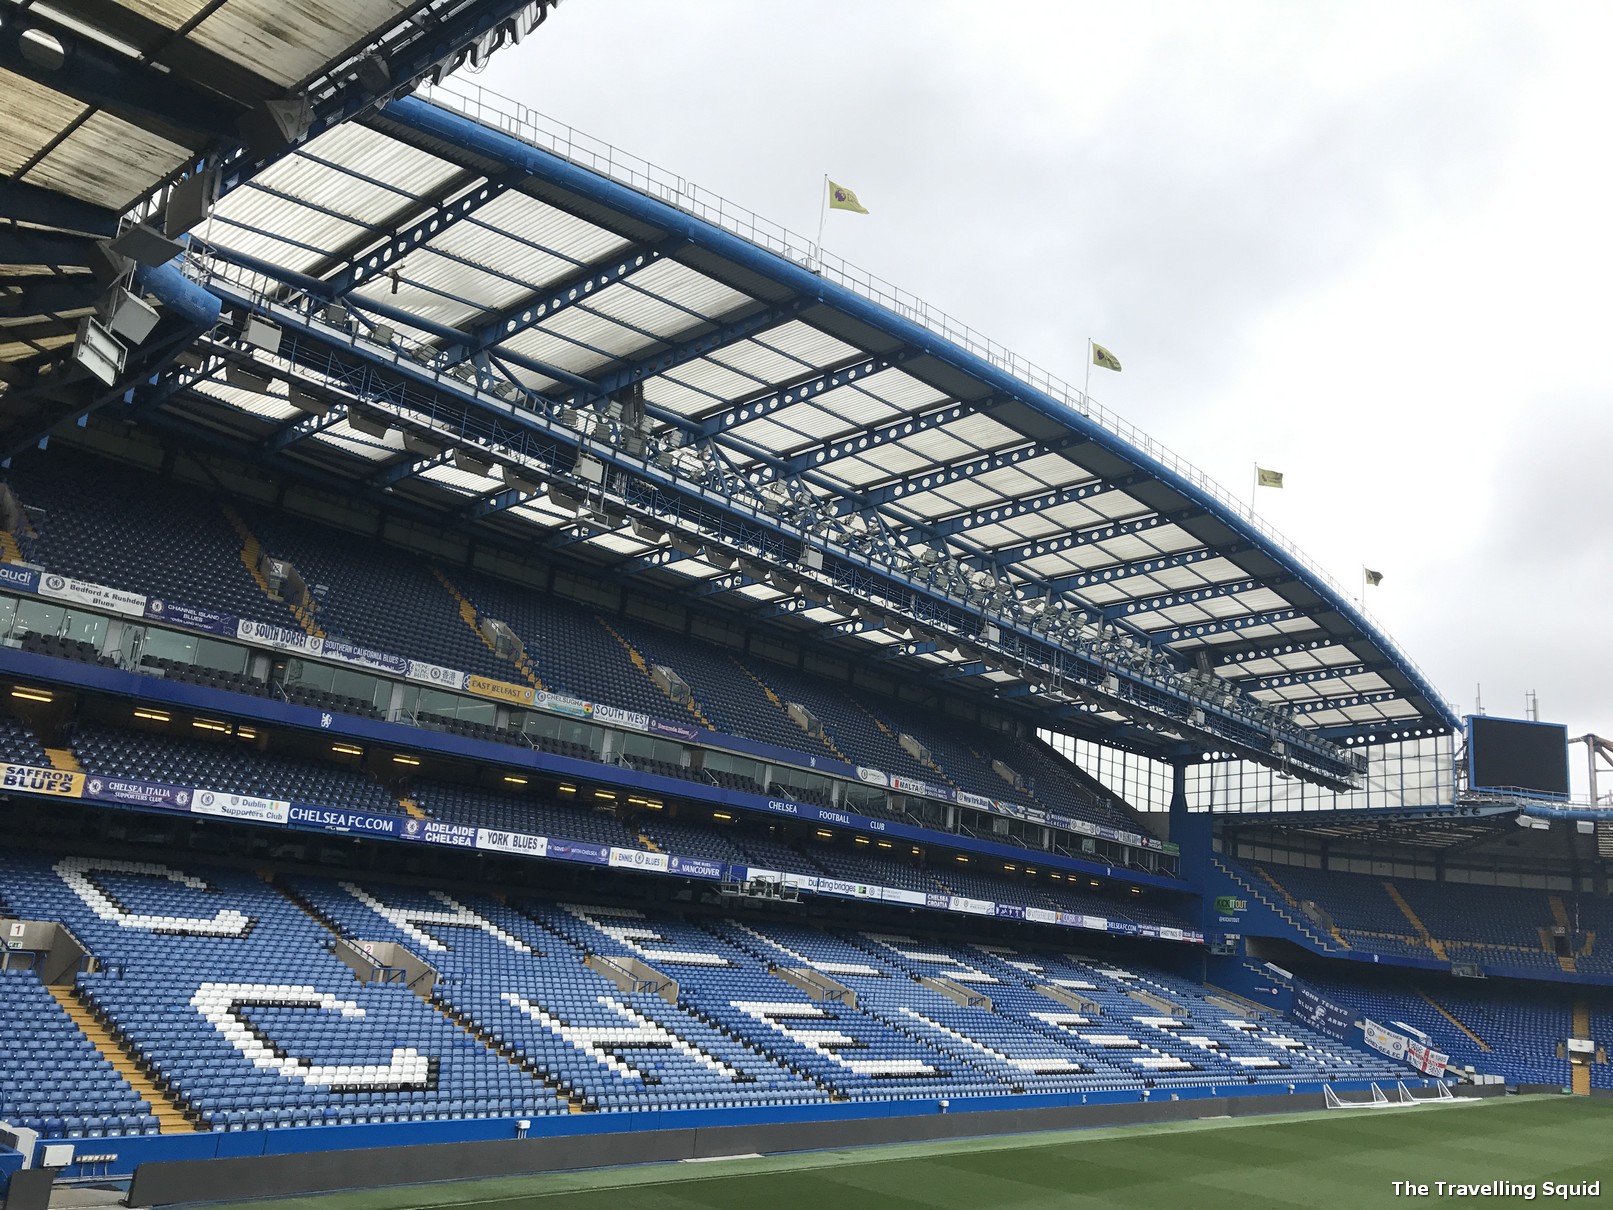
(894, 542)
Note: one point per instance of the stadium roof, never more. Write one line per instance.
(108, 101)
(462, 310)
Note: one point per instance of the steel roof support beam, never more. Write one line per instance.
(1233, 654)
(25, 203)
(1199, 630)
(997, 514)
(544, 304)
(821, 454)
(306, 427)
(154, 100)
(1113, 573)
(24, 246)
(724, 331)
(1313, 676)
(1190, 596)
(1344, 703)
(406, 467)
(1090, 534)
(412, 232)
(44, 295)
(766, 402)
(959, 472)
(373, 373)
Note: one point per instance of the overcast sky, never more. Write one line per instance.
(1366, 245)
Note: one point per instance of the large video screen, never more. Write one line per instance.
(1510, 754)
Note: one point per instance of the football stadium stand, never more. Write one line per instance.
(521, 647)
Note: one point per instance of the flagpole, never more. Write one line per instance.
(823, 213)
(1086, 387)
(1254, 492)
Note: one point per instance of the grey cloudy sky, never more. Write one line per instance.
(1366, 244)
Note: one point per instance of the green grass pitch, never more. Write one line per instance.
(1344, 1159)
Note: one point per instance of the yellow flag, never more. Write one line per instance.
(1265, 478)
(1102, 357)
(1373, 578)
(841, 198)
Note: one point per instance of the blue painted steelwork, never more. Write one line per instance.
(1190, 596)
(997, 514)
(862, 442)
(1288, 679)
(551, 300)
(767, 402)
(1344, 703)
(1150, 565)
(503, 148)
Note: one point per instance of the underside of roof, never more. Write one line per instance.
(108, 103)
(451, 308)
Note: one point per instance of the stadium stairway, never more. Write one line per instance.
(772, 695)
(251, 552)
(471, 617)
(10, 551)
(1454, 1020)
(412, 808)
(170, 1118)
(62, 759)
(643, 665)
(1581, 1072)
(1428, 939)
(1302, 928)
(1559, 917)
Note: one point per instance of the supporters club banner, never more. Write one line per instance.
(435, 674)
(638, 859)
(363, 657)
(696, 867)
(30, 779)
(193, 617)
(576, 850)
(240, 806)
(1384, 1041)
(497, 841)
(96, 596)
(137, 793)
(1320, 1014)
(429, 831)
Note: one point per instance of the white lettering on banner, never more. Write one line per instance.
(79, 875)
(453, 915)
(435, 674)
(791, 1019)
(631, 719)
(512, 842)
(604, 1043)
(1385, 1041)
(279, 637)
(221, 1005)
(97, 596)
(638, 859)
(240, 806)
